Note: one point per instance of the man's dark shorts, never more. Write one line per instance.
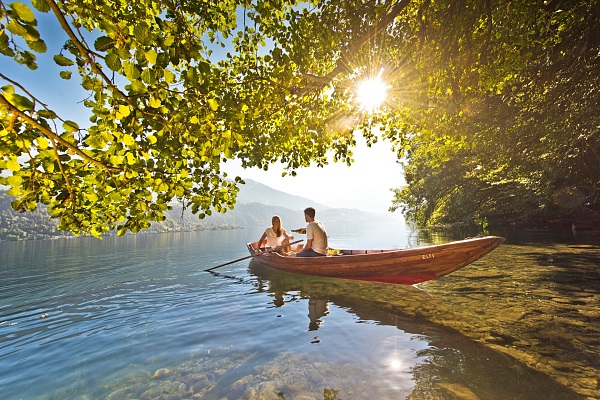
(309, 253)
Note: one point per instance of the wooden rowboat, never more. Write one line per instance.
(404, 266)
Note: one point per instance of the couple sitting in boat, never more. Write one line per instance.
(316, 237)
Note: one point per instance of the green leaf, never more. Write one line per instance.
(62, 60)
(49, 114)
(65, 75)
(16, 28)
(148, 76)
(115, 197)
(142, 35)
(104, 43)
(124, 110)
(151, 56)
(42, 143)
(138, 87)
(41, 5)
(12, 164)
(128, 140)
(169, 76)
(169, 40)
(92, 197)
(113, 62)
(38, 46)
(15, 180)
(212, 103)
(154, 102)
(71, 126)
(131, 71)
(25, 14)
(22, 103)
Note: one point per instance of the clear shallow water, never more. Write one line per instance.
(137, 317)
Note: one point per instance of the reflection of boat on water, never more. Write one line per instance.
(450, 365)
(405, 266)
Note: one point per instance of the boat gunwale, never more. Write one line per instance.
(377, 253)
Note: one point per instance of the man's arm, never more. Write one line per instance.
(308, 244)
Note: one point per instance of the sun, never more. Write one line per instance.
(371, 94)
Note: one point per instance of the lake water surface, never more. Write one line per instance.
(137, 317)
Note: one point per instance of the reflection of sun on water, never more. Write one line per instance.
(395, 364)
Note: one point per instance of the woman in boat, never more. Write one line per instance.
(275, 235)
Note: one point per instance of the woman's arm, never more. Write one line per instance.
(262, 238)
(286, 236)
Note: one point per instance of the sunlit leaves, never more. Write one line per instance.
(42, 143)
(213, 104)
(113, 61)
(24, 13)
(512, 117)
(20, 102)
(166, 107)
(12, 164)
(104, 43)
(63, 61)
(70, 126)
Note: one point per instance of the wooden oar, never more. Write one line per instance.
(245, 258)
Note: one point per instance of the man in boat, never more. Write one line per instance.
(316, 236)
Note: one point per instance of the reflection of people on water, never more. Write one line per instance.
(317, 308)
(279, 300)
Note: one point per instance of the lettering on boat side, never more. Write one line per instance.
(428, 256)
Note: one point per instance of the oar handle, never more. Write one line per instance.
(230, 262)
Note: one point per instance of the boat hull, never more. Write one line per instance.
(401, 266)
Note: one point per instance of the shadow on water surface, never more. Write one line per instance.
(453, 366)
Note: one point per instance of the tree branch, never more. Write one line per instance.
(15, 111)
(320, 82)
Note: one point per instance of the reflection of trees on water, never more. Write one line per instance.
(452, 366)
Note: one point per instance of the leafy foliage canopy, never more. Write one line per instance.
(482, 94)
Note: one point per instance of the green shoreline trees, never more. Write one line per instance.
(492, 106)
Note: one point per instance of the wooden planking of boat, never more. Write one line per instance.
(404, 266)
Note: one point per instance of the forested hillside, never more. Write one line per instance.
(30, 225)
(517, 141)
(39, 225)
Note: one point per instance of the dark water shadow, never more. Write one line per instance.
(571, 271)
(456, 367)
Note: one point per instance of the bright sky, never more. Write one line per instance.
(364, 185)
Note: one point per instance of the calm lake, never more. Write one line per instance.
(138, 318)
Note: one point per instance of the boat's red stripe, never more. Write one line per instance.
(404, 280)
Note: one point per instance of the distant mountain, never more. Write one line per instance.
(255, 192)
(256, 204)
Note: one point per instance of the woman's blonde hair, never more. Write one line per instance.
(278, 231)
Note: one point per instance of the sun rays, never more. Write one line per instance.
(371, 93)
